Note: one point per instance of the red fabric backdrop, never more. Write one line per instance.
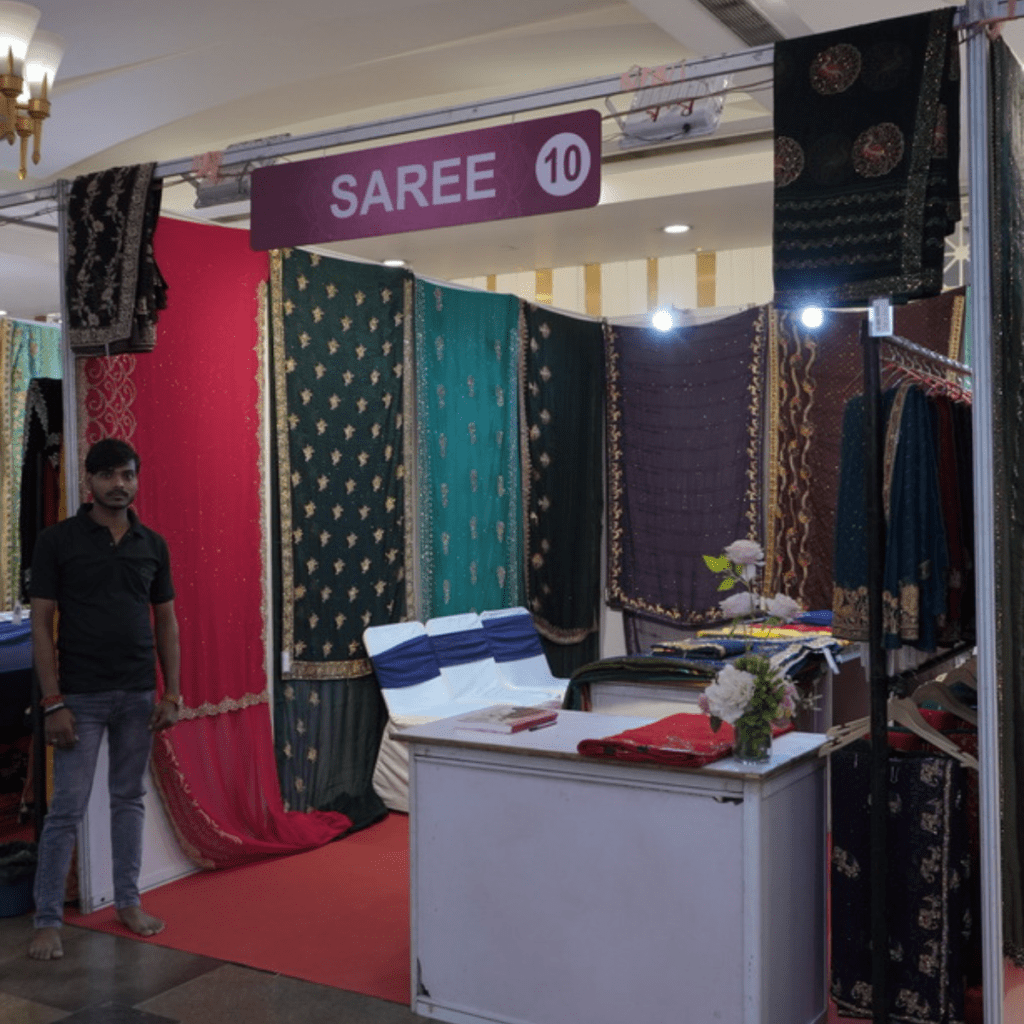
(194, 415)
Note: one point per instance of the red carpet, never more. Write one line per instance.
(337, 915)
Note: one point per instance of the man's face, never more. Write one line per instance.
(114, 488)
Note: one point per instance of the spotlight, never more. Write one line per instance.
(812, 317)
(663, 320)
(676, 229)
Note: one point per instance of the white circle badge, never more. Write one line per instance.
(563, 164)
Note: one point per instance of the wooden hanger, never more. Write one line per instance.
(904, 712)
(967, 673)
(938, 690)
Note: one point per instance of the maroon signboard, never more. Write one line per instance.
(515, 170)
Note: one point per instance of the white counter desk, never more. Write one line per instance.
(548, 888)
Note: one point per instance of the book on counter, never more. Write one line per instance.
(507, 718)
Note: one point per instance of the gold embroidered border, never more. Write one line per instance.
(558, 635)
(222, 707)
(8, 585)
(613, 442)
(181, 783)
(525, 475)
(755, 428)
(792, 432)
(284, 469)
(892, 441)
(772, 566)
(956, 327)
(409, 447)
(262, 445)
(328, 670)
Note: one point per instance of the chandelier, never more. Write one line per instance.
(28, 63)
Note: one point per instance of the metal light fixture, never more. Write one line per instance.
(28, 64)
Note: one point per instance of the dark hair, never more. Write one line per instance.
(111, 453)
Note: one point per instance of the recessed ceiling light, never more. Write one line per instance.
(3, 312)
(394, 263)
(676, 229)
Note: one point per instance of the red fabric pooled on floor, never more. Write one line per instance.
(684, 740)
(337, 915)
(192, 408)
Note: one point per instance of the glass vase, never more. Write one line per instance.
(752, 740)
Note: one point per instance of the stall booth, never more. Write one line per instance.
(539, 770)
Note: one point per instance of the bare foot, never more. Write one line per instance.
(135, 919)
(46, 944)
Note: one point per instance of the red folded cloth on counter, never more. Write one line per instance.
(684, 740)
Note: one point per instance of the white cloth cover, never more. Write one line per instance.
(457, 689)
(526, 674)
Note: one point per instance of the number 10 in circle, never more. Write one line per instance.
(563, 164)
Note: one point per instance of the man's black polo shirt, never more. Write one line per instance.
(105, 635)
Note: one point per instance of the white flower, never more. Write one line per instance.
(782, 607)
(745, 552)
(790, 699)
(737, 605)
(728, 696)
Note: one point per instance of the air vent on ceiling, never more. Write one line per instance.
(743, 20)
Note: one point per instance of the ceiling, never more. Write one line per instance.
(150, 80)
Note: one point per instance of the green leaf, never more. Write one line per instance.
(714, 721)
(716, 563)
(727, 584)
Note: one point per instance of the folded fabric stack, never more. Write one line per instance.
(683, 741)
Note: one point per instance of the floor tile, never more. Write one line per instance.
(96, 968)
(233, 993)
(115, 1013)
(23, 1011)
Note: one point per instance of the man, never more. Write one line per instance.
(103, 571)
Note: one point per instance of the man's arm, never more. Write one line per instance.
(44, 611)
(168, 650)
(59, 725)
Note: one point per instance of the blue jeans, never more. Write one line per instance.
(125, 715)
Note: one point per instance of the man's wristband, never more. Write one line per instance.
(51, 700)
(50, 708)
(173, 698)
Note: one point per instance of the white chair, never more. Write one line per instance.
(467, 666)
(446, 668)
(517, 651)
(407, 705)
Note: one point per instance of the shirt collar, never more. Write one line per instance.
(86, 507)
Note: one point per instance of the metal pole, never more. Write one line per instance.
(875, 538)
(978, 114)
(69, 397)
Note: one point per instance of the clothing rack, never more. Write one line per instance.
(925, 353)
(879, 679)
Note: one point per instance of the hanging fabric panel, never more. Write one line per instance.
(812, 374)
(339, 358)
(1007, 217)
(684, 451)
(113, 287)
(927, 895)
(867, 142)
(917, 582)
(27, 350)
(194, 411)
(41, 468)
(563, 401)
(467, 365)
(327, 737)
